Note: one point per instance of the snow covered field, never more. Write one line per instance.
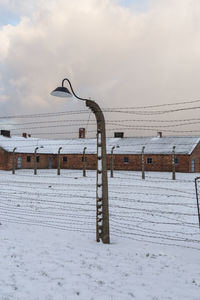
(48, 249)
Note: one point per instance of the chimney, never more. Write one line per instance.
(159, 134)
(119, 134)
(5, 133)
(81, 133)
(24, 134)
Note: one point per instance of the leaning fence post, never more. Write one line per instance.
(13, 160)
(58, 161)
(112, 162)
(84, 162)
(143, 174)
(197, 197)
(173, 163)
(35, 161)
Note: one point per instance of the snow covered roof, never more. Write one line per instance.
(129, 145)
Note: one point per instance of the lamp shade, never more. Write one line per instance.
(62, 92)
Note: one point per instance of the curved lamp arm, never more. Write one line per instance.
(66, 79)
(60, 148)
(112, 149)
(36, 149)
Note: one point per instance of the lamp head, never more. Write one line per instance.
(62, 92)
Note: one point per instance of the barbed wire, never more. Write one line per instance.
(108, 123)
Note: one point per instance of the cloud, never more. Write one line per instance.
(119, 56)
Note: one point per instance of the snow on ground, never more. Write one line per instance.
(48, 249)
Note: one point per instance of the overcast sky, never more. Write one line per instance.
(121, 53)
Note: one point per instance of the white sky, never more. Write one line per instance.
(116, 52)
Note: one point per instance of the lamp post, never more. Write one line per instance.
(58, 165)
(112, 162)
(173, 163)
(35, 161)
(84, 162)
(13, 160)
(102, 209)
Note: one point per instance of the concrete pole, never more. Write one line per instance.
(143, 164)
(84, 162)
(112, 162)
(13, 160)
(35, 161)
(58, 161)
(173, 164)
(102, 206)
(197, 197)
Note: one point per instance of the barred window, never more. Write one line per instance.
(149, 160)
(126, 160)
(65, 159)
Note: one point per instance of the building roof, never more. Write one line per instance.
(129, 145)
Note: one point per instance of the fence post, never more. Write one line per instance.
(35, 161)
(112, 162)
(173, 163)
(143, 166)
(58, 161)
(197, 197)
(13, 160)
(84, 162)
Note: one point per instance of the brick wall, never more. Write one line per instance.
(196, 157)
(159, 163)
(74, 161)
(3, 159)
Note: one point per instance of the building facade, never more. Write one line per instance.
(127, 153)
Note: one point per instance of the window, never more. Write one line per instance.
(118, 134)
(149, 160)
(28, 159)
(37, 158)
(193, 165)
(176, 160)
(126, 160)
(65, 159)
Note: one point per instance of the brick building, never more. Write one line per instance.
(127, 152)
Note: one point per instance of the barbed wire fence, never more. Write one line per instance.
(154, 210)
(154, 214)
